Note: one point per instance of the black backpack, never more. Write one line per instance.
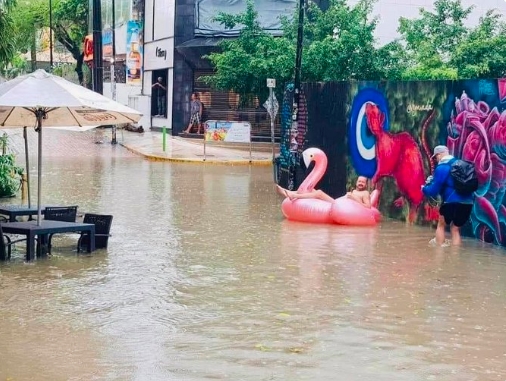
(465, 180)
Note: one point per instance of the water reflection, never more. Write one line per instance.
(204, 279)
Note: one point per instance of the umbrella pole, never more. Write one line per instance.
(27, 167)
(39, 167)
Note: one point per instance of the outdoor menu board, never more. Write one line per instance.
(225, 131)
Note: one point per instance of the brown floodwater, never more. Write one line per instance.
(205, 280)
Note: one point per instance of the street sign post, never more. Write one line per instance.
(272, 108)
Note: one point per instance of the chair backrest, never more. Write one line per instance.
(102, 224)
(61, 213)
(3, 248)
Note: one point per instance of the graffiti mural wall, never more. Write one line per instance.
(388, 131)
(392, 129)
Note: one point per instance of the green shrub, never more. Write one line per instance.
(10, 174)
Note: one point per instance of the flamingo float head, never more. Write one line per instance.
(316, 155)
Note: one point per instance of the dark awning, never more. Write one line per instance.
(194, 49)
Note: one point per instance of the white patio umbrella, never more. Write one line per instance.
(45, 100)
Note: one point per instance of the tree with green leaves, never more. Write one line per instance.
(69, 24)
(244, 63)
(29, 19)
(483, 53)
(431, 39)
(339, 42)
(338, 45)
(7, 47)
(440, 46)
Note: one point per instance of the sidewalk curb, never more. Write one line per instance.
(153, 157)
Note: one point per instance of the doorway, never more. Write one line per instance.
(159, 93)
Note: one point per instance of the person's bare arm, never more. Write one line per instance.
(200, 109)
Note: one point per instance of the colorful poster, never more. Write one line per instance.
(236, 132)
(134, 53)
(88, 48)
(107, 43)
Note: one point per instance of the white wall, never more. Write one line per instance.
(148, 23)
(159, 19)
(164, 19)
(159, 50)
(159, 54)
(123, 91)
(120, 36)
(389, 12)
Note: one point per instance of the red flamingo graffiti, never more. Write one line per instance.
(398, 156)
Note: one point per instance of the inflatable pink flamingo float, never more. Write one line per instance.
(343, 211)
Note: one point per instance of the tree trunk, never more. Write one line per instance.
(79, 69)
(33, 50)
(64, 38)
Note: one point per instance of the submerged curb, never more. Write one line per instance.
(154, 157)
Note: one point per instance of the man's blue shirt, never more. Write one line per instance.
(442, 184)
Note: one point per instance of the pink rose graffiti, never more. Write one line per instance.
(478, 134)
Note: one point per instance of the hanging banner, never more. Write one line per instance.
(225, 131)
(237, 132)
(134, 53)
(88, 48)
(107, 43)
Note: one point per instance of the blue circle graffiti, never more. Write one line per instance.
(361, 142)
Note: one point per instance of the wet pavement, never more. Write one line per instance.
(150, 145)
(204, 279)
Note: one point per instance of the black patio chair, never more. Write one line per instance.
(102, 224)
(6, 244)
(59, 213)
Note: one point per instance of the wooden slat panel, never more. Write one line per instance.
(223, 105)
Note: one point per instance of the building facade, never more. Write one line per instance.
(158, 64)
(197, 35)
(164, 41)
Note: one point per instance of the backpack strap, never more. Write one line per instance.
(445, 184)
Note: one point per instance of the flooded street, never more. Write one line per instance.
(205, 280)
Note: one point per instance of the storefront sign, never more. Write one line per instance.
(95, 115)
(236, 132)
(161, 53)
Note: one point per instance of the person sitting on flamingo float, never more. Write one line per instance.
(357, 207)
(359, 194)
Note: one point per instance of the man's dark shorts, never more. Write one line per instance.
(456, 212)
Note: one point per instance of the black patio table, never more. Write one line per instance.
(13, 211)
(30, 229)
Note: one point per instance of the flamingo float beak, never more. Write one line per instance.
(309, 155)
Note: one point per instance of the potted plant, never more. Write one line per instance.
(10, 173)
